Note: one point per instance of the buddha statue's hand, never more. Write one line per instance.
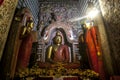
(99, 55)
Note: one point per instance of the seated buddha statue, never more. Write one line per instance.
(58, 52)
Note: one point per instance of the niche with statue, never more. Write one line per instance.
(57, 45)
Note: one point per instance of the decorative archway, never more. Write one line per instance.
(58, 25)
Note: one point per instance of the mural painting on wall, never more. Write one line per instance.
(52, 12)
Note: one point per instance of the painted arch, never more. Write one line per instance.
(58, 25)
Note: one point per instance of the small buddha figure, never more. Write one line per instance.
(27, 29)
(58, 52)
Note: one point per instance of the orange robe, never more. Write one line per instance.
(93, 47)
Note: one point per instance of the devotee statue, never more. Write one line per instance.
(93, 49)
(58, 52)
(26, 45)
(27, 29)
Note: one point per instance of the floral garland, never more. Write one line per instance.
(57, 72)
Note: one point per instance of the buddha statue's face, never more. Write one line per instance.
(58, 39)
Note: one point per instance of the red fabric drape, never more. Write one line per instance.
(25, 52)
